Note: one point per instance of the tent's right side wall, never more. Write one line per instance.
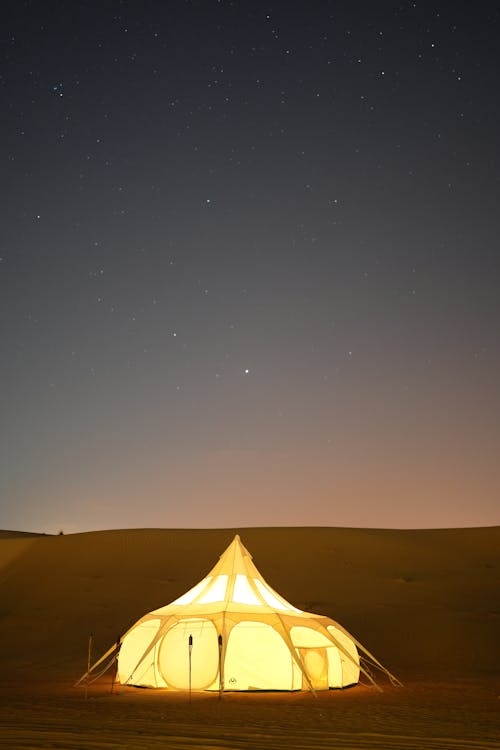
(344, 666)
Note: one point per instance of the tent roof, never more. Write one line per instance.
(232, 584)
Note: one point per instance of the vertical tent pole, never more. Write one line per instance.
(190, 652)
(220, 666)
(115, 670)
(89, 661)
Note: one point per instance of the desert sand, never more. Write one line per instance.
(426, 603)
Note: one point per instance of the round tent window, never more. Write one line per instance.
(173, 659)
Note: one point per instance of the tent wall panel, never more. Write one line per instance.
(257, 658)
(174, 659)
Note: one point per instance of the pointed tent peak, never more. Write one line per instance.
(244, 551)
(245, 583)
(235, 559)
(238, 543)
(237, 540)
(233, 581)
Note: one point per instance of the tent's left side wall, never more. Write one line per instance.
(138, 658)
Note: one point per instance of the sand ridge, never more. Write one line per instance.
(424, 602)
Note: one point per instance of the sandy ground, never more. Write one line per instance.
(426, 603)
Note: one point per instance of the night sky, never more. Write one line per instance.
(249, 264)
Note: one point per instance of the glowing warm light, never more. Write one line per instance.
(234, 619)
(243, 592)
(191, 595)
(216, 591)
(273, 599)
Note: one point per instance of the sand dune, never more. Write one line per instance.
(426, 603)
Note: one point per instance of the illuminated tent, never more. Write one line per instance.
(232, 631)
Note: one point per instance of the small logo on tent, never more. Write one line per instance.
(233, 680)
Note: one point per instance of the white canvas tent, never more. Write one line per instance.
(232, 631)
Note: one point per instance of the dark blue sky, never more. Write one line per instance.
(249, 264)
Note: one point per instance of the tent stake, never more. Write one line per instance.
(89, 661)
